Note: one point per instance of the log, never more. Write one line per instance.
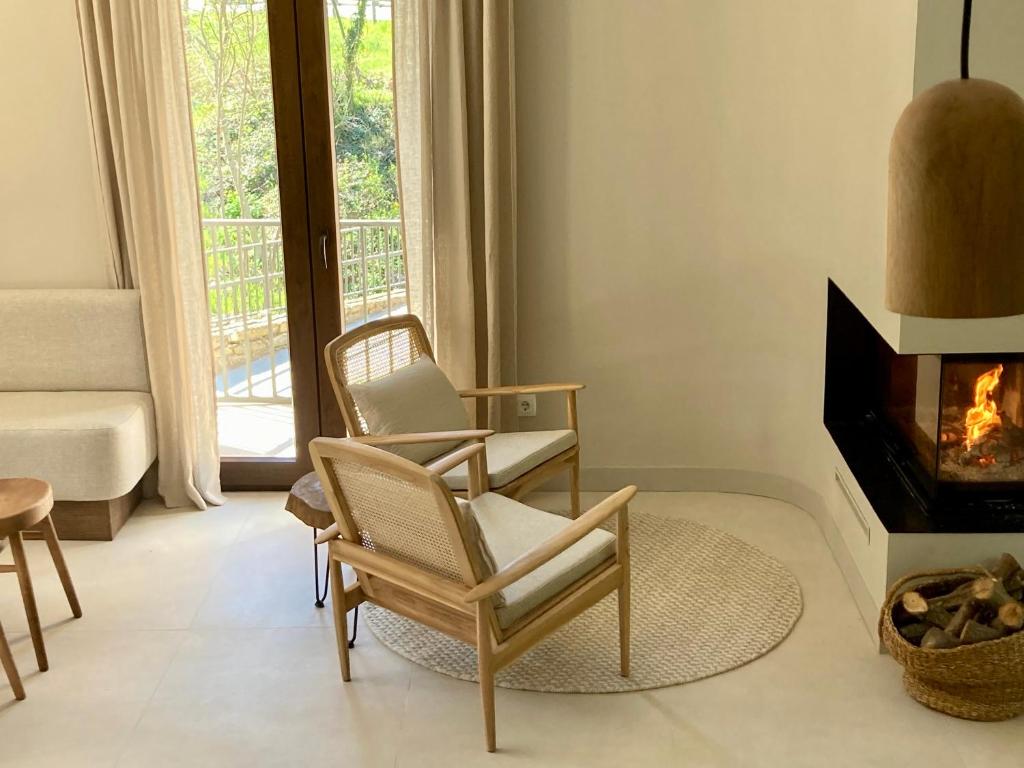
(914, 603)
(922, 609)
(965, 613)
(1006, 567)
(990, 591)
(1011, 615)
(914, 632)
(953, 599)
(973, 632)
(938, 639)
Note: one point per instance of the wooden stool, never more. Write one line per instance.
(25, 505)
(309, 504)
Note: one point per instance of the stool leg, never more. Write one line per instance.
(53, 543)
(8, 663)
(28, 597)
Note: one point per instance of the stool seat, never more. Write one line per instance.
(24, 502)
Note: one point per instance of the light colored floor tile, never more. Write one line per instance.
(200, 646)
(270, 698)
(83, 709)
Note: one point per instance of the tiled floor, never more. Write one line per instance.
(200, 646)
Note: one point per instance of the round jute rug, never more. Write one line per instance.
(704, 602)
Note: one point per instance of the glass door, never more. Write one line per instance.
(369, 232)
(348, 110)
(247, 121)
(293, 116)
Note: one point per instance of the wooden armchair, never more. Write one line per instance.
(489, 571)
(516, 462)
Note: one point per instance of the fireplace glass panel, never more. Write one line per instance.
(962, 416)
(981, 434)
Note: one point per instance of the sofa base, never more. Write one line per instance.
(94, 520)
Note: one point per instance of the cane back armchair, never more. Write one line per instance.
(516, 462)
(489, 570)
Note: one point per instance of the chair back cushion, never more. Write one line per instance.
(416, 398)
(57, 340)
(370, 352)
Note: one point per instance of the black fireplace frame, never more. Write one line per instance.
(906, 498)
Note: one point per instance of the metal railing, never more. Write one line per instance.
(248, 302)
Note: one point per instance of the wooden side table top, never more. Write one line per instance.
(308, 502)
(24, 502)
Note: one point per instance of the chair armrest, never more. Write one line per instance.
(328, 534)
(553, 546)
(423, 437)
(520, 389)
(453, 460)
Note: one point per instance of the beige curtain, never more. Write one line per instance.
(134, 56)
(455, 119)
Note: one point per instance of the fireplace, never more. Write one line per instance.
(936, 442)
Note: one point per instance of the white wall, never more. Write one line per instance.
(689, 174)
(51, 229)
(997, 42)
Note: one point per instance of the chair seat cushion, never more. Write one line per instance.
(416, 398)
(509, 529)
(513, 454)
(88, 445)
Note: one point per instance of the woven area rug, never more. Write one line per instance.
(704, 602)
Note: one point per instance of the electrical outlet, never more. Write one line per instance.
(527, 405)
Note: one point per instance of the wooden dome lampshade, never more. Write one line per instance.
(956, 201)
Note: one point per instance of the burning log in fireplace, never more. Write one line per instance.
(986, 608)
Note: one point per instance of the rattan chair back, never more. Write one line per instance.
(370, 352)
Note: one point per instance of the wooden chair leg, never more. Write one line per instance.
(622, 554)
(485, 670)
(624, 626)
(7, 660)
(574, 486)
(28, 597)
(53, 544)
(340, 618)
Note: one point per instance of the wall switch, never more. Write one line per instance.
(527, 405)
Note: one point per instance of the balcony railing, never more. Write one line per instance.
(248, 302)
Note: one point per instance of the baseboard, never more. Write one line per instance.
(95, 520)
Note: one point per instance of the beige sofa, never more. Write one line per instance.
(75, 403)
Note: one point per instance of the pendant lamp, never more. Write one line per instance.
(956, 200)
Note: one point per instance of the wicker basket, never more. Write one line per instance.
(983, 681)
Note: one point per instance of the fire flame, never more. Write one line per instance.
(983, 418)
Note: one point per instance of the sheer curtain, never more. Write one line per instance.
(455, 122)
(134, 57)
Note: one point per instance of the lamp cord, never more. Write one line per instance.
(965, 42)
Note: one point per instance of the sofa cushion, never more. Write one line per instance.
(416, 398)
(513, 454)
(88, 445)
(510, 529)
(71, 339)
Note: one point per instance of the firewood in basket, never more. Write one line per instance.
(954, 599)
(965, 613)
(914, 632)
(914, 603)
(1006, 567)
(919, 607)
(990, 591)
(973, 632)
(1011, 615)
(938, 639)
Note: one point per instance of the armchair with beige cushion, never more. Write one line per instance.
(489, 570)
(387, 383)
